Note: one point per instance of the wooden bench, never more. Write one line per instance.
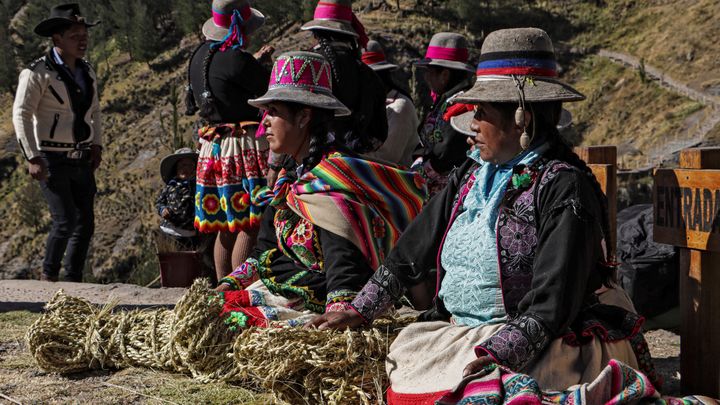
(686, 206)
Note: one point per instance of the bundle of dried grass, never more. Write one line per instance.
(299, 365)
(296, 365)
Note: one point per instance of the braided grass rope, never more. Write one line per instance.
(296, 365)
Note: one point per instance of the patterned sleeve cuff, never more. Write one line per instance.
(339, 300)
(243, 276)
(378, 295)
(517, 344)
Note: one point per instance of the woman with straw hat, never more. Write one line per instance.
(523, 275)
(446, 72)
(329, 221)
(402, 118)
(340, 37)
(222, 76)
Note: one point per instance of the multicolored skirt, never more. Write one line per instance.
(448, 348)
(232, 163)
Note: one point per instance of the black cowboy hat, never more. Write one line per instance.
(62, 16)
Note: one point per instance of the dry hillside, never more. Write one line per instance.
(623, 106)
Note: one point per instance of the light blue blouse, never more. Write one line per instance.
(470, 289)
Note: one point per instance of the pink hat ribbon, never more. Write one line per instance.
(451, 54)
(310, 74)
(224, 20)
(333, 11)
(235, 22)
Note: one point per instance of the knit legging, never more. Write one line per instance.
(231, 250)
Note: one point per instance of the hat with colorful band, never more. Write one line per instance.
(303, 78)
(374, 56)
(514, 63)
(518, 60)
(448, 50)
(223, 11)
(337, 16)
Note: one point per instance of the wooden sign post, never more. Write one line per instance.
(602, 160)
(686, 214)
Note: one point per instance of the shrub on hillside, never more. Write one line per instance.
(31, 206)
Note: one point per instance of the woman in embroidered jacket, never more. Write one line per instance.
(329, 222)
(521, 264)
(447, 72)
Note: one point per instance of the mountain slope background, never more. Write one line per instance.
(140, 52)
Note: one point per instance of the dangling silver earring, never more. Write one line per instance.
(524, 140)
(520, 113)
(520, 117)
(520, 121)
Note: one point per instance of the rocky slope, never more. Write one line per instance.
(623, 107)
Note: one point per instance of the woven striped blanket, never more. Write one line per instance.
(366, 202)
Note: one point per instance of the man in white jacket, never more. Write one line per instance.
(57, 123)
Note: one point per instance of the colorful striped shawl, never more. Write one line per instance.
(366, 202)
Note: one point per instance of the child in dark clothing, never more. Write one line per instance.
(176, 203)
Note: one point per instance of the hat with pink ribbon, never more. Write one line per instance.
(374, 56)
(448, 50)
(231, 21)
(337, 16)
(302, 78)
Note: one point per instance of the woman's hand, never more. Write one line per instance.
(336, 320)
(223, 287)
(477, 365)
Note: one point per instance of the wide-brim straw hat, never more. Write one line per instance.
(448, 50)
(62, 16)
(461, 123)
(334, 16)
(304, 78)
(374, 57)
(167, 165)
(216, 27)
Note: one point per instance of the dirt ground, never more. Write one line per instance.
(22, 382)
(32, 295)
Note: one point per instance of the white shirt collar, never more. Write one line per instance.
(57, 57)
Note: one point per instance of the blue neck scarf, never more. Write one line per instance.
(491, 182)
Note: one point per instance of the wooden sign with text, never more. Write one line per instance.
(686, 206)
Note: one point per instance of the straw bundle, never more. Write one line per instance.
(300, 365)
(296, 365)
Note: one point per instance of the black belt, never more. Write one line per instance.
(52, 144)
(77, 154)
(79, 151)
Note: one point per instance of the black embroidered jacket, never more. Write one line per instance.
(548, 293)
